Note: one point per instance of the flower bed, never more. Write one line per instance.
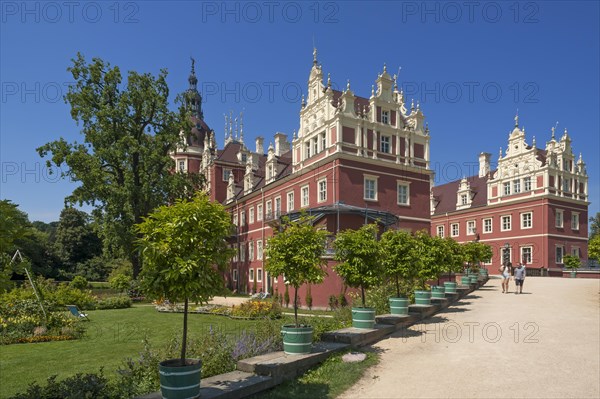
(252, 309)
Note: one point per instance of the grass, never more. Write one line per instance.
(112, 336)
(327, 380)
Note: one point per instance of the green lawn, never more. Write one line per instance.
(112, 336)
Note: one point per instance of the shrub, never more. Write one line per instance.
(333, 301)
(378, 297)
(92, 385)
(79, 283)
(120, 282)
(343, 302)
(120, 302)
(257, 309)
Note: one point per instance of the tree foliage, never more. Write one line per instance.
(429, 253)
(571, 262)
(123, 165)
(185, 252)
(399, 259)
(475, 252)
(297, 252)
(594, 248)
(359, 254)
(75, 240)
(595, 225)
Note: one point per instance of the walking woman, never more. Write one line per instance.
(505, 271)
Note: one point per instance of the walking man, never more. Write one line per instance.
(520, 274)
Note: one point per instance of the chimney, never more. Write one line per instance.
(281, 144)
(259, 145)
(484, 164)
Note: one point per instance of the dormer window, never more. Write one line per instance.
(464, 199)
(226, 173)
(385, 117)
(244, 157)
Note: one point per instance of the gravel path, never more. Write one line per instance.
(544, 343)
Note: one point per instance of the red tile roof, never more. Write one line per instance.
(445, 194)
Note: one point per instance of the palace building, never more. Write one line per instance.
(534, 205)
(353, 160)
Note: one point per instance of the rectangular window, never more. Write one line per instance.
(259, 212)
(517, 186)
(403, 194)
(558, 219)
(464, 200)
(323, 141)
(454, 227)
(251, 250)
(235, 274)
(384, 144)
(304, 196)
(575, 252)
(277, 207)
(559, 254)
(527, 184)
(307, 150)
(290, 201)
(574, 221)
(243, 252)
(243, 217)
(269, 210)
(251, 275)
(506, 188)
(526, 255)
(370, 188)
(506, 223)
(487, 225)
(385, 117)
(251, 215)
(567, 185)
(226, 173)
(526, 220)
(235, 219)
(259, 275)
(259, 250)
(471, 228)
(182, 166)
(322, 190)
(315, 144)
(440, 231)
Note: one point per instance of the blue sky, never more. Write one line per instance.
(471, 65)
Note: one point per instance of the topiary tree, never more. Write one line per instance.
(453, 257)
(297, 252)
(428, 255)
(79, 283)
(185, 253)
(398, 258)
(475, 252)
(359, 254)
(571, 262)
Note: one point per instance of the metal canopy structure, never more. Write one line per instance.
(339, 208)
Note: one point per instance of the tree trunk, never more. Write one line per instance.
(296, 306)
(362, 293)
(184, 342)
(397, 287)
(136, 263)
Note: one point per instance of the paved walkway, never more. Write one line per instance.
(541, 344)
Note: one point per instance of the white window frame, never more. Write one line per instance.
(235, 219)
(259, 275)
(506, 188)
(277, 207)
(560, 219)
(575, 252)
(251, 214)
(243, 252)
(385, 117)
(305, 199)
(269, 209)
(251, 274)
(530, 255)
(471, 226)
(491, 225)
(259, 212)
(405, 185)
(370, 178)
(182, 165)
(323, 141)
(502, 225)
(259, 249)
(517, 186)
(315, 145)
(527, 183)
(464, 199)
(235, 275)
(290, 201)
(250, 250)
(243, 217)
(457, 231)
(525, 225)
(385, 144)
(226, 173)
(307, 150)
(575, 221)
(322, 190)
(440, 231)
(562, 254)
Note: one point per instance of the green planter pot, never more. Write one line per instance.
(296, 341)
(483, 272)
(573, 274)
(473, 279)
(450, 287)
(438, 291)
(422, 297)
(363, 317)
(179, 382)
(399, 305)
(465, 280)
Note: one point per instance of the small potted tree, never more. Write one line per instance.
(427, 264)
(359, 256)
(297, 253)
(453, 263)
(572, 263)
(398, 259)
(184, 253)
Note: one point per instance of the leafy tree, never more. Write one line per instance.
(594, 248)
(359, 254)
(571, 262)
(76, 242)
(595, 225)
(475, 252)
(185, 252)
(428, 257)
(123, 165)
(297, 252)
(453, 256)
(398, 259)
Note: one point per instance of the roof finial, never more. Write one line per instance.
(303, 102)
(395, 82)
(412, 103)
(193, 62)
(315, 62)
(517, 118)
(384, 67)
(533, 142)
(348, 85)
(500, 153)
(553, 129)
(242, 126)
(372, 90)
(328, 80)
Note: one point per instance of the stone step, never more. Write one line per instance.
(396, 319)
(236, 384)
(356, 337)
(423, 311)
(441, 302)
(452, 297)
(281, 366)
